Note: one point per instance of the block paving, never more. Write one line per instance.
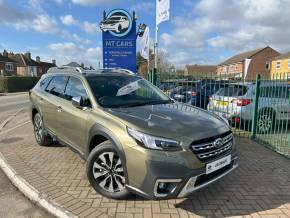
(259, 187)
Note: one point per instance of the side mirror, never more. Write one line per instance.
(77, 102)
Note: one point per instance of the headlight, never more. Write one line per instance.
(155, 143)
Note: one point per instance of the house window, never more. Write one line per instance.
(9, 67)
(278, 65)
(267, 66)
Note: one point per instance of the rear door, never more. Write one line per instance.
(54, 97)
(73, 121)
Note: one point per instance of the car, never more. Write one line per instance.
(133, 137)
(235, 101)
(115, 23)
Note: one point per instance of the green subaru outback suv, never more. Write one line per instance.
(133, 137)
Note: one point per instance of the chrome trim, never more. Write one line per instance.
(184, 192)
(168, 181)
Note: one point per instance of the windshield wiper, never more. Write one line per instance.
(136, 104)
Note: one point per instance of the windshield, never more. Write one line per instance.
(125, 91)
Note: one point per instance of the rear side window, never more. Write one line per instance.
(275, 92)
(233, 91)
(57, 85)
(44, 82)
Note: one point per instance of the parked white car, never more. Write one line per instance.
(236, 103)
(115, 23)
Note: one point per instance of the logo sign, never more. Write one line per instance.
(218, 143)
(119, 40)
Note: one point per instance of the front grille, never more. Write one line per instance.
(209, 149)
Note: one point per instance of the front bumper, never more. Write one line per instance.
(185, 177)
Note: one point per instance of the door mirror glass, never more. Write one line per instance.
(77, 102)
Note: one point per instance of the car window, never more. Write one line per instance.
(44, 82)
(275, 92)
(232, 90)
(75, 88)
(57, 85)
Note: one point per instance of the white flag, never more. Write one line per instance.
(145, 44)
(162, 10)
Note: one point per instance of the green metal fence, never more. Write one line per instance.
(258, 109)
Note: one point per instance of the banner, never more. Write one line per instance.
(145, 44)
(162, 11)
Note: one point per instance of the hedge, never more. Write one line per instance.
(17, 83)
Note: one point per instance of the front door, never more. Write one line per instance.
(72, 120)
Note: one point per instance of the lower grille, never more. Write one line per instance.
(213, 147)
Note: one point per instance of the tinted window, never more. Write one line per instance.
(44, 82)
(75, 88)
(232, 91)
(57, 85)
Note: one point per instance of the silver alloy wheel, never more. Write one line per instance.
(265, 123)
(109, 173)
(38, 129)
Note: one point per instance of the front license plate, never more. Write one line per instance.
(222, 103)
(218, 164)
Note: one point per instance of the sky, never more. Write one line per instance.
(198, 32)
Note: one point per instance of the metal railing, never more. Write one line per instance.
(258, 109)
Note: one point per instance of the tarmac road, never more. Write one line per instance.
(12, 202)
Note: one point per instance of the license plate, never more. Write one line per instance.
(179, 96)
(222, 103)
(218, 164)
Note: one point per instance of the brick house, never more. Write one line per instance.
(7, 65)
(199, 70)
(280, 67)
(29, 67)
(247, 64)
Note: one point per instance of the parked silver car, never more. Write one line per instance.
(236, 103)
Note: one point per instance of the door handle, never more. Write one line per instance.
(41, 100)
(59, 109)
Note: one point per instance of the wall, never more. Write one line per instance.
(283, 72)
(258, 64)
(231, 69)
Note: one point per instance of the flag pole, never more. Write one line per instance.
(156, 47)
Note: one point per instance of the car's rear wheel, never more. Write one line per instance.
(266, 121)
(39, 132)
(105, 171)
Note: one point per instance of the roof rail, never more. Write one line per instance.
(68, 69)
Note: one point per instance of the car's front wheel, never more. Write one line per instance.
(105, 171)
(39, 132)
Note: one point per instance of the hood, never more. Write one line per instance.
(171, 120)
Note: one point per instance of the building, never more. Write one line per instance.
(7, 65)
(200, 70)
(26, 66)
(280, 67)
(247, 64)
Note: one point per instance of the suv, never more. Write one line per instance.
(236, 102)
(133, 137)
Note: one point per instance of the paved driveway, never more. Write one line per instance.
(260, 187)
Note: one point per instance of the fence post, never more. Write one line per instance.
(256, 104)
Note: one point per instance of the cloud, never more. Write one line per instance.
(90, 28)
(66, 52)
(93, 2)
(146, 7)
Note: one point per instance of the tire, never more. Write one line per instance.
(266, 121)
(39, 132)
(105, 172)
(119, 28)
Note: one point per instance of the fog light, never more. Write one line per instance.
(165, 187)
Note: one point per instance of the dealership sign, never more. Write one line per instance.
(119, 40)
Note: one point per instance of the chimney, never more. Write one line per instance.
(28, 55)
(54, 62)
(37, 59)
(5, 53)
